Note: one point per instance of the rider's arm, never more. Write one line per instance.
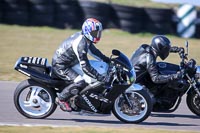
(81, 52)
(156, 77)
(97, 53)
(176, 49)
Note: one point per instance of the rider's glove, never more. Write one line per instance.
(178, 75)
(181, 50)
(104, 79)
(107, 60)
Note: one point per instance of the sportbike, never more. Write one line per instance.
(168, 96)
(35, 96)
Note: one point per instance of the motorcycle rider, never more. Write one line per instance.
(144, 60)
(72, 51)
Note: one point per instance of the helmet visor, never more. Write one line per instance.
(164, 51)
(96, 35)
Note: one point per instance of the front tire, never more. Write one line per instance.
(34, 100)
(142, 107)
(193, 102)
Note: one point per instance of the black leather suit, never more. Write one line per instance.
(72, 51)
(144, 62)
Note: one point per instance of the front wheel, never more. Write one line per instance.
(140, 110)
(34, 100)
(193, 102)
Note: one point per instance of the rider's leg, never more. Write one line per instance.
(72, 89)
(77, 83)
(68, 92)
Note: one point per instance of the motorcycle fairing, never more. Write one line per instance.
(122, 59)
(93, 99)
(112, 95)
(100, 66)
(39, 70)
(86, 102)
(125, 62)
(33, 63)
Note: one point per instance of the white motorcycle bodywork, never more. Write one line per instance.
(100, 66)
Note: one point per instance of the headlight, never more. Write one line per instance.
(132, 75)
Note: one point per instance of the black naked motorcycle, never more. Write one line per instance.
(35, 97)
(167, 97)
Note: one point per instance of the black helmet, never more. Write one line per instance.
(161, 45)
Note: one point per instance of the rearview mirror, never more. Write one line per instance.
(116, 52)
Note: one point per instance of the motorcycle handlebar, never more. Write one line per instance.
(183, 57)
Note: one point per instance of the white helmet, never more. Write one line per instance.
(92, 29)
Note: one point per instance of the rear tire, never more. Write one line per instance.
(142, 107)
(34, 100)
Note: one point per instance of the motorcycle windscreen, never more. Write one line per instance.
(124, 61)
(128, 68)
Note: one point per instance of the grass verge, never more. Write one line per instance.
(17, 41)
(9, 129)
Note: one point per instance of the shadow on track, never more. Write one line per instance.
(88, 120)
(119, 122)
(175, 115)
(166, 124)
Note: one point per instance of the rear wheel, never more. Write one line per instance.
(34, 100)
(193, 102)
(140, 110)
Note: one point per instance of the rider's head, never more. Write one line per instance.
(92, 29)
(161, 44)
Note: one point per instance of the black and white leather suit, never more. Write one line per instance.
(72, 51)
(144, 62)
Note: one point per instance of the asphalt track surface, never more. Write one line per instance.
(181, 119)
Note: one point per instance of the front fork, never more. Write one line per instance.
(127, 100)
(193, 84)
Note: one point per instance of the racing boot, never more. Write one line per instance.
(69, 92)
(64, 106)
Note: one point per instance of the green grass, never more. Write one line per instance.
(7, 129)
(17, 41)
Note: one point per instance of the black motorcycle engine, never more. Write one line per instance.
(179, 85)
(167, 96)
(165, 100)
